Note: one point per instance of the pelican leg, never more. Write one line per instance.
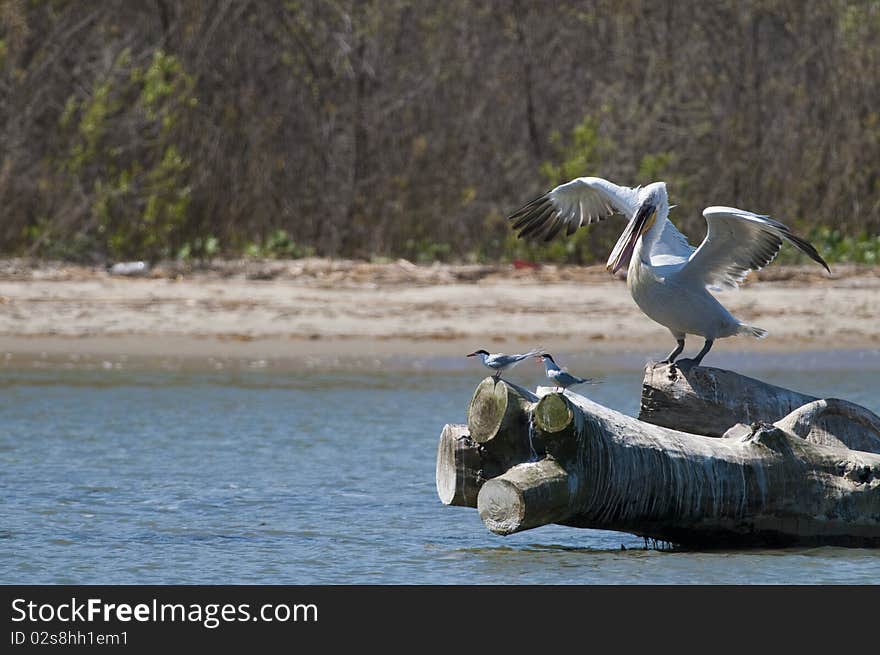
(688, 364)
(706, 348)
(670, 358)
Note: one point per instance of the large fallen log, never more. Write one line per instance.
(590, 466)
(709, 401)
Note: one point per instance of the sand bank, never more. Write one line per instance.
(319, 307)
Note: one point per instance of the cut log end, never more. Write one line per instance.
(502, 507)
(488, 409)
(557, 422)
(498, 420)
(458, 466)
(526, 496)
(553, 414)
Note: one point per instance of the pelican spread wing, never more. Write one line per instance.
(737, 242)
(588, 200)
(580, 202)
(673, 290)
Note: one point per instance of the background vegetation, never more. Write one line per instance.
(151, 129)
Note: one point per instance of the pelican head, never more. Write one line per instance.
(654, 202)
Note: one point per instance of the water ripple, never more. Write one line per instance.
(255, 475)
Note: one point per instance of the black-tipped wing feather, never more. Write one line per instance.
(737, 242)
(580, 202)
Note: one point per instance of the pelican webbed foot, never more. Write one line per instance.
(685, 365)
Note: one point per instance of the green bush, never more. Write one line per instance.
(199, 248)
(278, 245)
(579, 155)
(425, 251)
(140, 190)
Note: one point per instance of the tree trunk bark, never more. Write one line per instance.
(764, 487)
(590, 466)
(835, 422)
(709, 401)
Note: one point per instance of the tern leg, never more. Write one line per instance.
(670, 358)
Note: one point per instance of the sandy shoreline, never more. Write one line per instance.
(321, 308)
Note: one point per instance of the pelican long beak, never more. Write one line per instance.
(623, 249)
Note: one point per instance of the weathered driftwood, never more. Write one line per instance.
(526, 496)
(495, 439)
(498, 418)
(459, 467)
(710, 401)
(590, 466)
(835, 422)
(766, 487)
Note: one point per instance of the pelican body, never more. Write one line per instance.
(667, 277)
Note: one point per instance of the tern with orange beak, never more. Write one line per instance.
(667, 277)
(559, 376)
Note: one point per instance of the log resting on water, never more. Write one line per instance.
(584, 465)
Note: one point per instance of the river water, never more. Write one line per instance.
(313, 472)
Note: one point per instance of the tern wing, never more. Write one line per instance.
(738, 241)
(582, 201)
(501, 360)
(531, 353)
(567, 379)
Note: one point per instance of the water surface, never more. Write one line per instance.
(256, 474)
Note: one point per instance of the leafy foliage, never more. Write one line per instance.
(139, 191)
(278, 245)
(401, 129)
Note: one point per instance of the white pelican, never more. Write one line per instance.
(499, 362)
(667, 277)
